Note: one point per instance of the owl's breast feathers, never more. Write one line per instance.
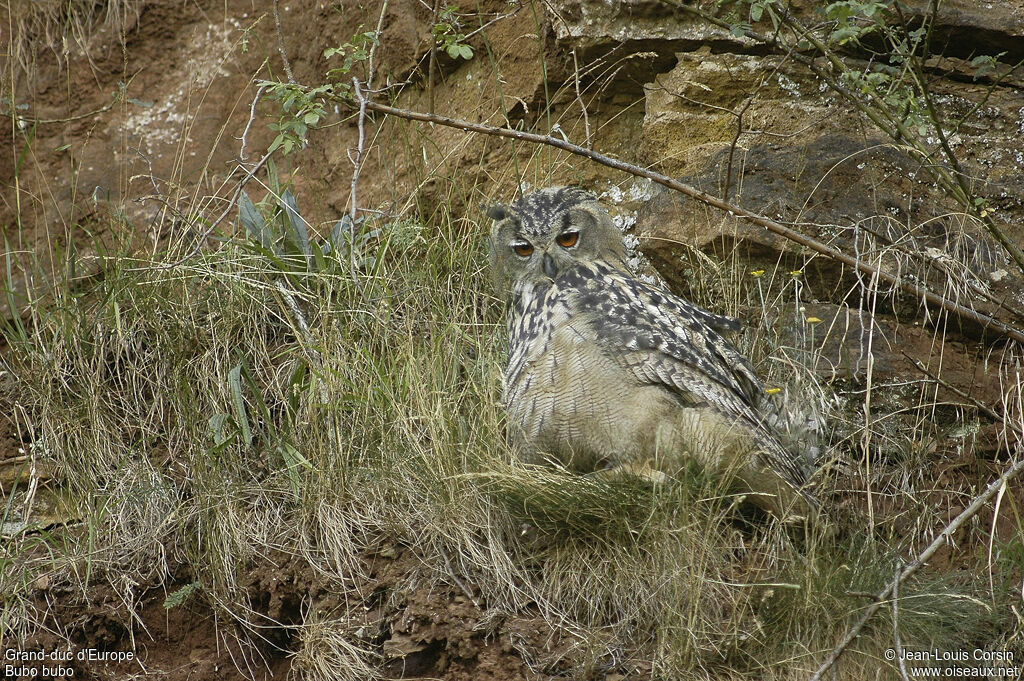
(534, 311)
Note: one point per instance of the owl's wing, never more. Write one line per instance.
(709, 326)
(664, 339)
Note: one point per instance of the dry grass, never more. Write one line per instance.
(394, 410)
(198, 429)
(62, 28)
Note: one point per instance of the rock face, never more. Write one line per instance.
(966, 29)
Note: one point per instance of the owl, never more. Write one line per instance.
(608, 372)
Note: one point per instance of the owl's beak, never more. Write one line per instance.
(548, 263)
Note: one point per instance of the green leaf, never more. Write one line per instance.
(466, 52)
(297, 385)
(252, 220)
(297, 235)
(755, 12)
(238, 403)
(261, 407)
(292, 460)
(739, 30)
(838, 11)
(179, 596)
(294, 457)
(216, 427)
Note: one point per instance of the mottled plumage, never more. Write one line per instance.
(606, 371)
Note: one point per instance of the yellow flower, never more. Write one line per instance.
(795, 273)
(813, 320)
(772, 391)
(756, 273)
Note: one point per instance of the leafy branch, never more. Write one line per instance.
(448, 36)
(303, 108)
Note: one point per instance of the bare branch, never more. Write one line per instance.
(985, 321)
(252, 117)
(357, 166)
(280, 45)
(432, 65)
(896, 628)
(916, 564)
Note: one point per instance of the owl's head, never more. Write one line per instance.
(543, 233)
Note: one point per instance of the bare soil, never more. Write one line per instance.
(436, 631)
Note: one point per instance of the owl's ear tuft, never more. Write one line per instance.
(497, 211)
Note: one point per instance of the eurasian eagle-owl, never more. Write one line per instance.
(608, 372)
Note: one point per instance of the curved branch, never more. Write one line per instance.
(985, 321)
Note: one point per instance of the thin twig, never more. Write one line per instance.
(432, 64)
(280, 45)
(149, 162)
(735, 141)
(495, 20)
(357, 165)
(27, 122)
(252, 117)
(916, 564)
(869, 383)
(896, 627)
(232, 205)
(373, 47)
(978, 404)
(119, 96)
(932, 298)
(455, 578)
(743, 110)
(579, 98)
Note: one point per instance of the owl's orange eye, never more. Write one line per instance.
(523, 248)
(567, 239)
